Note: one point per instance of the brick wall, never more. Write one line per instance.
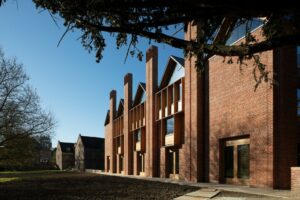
(108, 146)
(286, 131)
(295, 179)
(191, 156)
(237, 110)
(128, 153)
(152, 147)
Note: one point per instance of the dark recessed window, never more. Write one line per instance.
(298, 102)
(170, 126)
(229, 161)
(298, 57)
(298, 155)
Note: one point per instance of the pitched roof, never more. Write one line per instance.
(92, 142)
(120, 108)
(139, 93)
(66, 147)
(106, 118)
(169, 69)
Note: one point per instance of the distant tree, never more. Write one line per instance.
(21, 115)
(21, 153)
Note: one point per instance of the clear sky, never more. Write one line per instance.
(70, 83)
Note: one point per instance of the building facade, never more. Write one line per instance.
(65, 155)
(89, 153)
(213, 127)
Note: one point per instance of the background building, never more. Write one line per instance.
(89, 153)
(65, 155)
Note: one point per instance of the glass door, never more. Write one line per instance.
(236, 161)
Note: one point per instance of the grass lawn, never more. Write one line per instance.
(29, 172)
(2, 180)
(83, 186)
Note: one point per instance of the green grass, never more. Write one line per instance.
(30, 172)
(2, 180)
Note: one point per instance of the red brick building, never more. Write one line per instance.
(211, 127)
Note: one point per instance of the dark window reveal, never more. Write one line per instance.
(229, 161)
(298, 155)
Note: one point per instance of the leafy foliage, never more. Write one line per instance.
(126, 20)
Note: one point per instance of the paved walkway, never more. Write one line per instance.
(271, 193)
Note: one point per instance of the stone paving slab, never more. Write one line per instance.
(189, 198)
(205, 193)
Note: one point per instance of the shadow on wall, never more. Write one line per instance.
(256, 128)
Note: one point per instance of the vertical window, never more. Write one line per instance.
(180, 92)
(177, 162)
(298, 57)
(298, 154)
(229, 161)
(171, 96)
(171, 162)
(298, 102)
(138, 135)
(243, 160)
(170, 126)
(121, 163)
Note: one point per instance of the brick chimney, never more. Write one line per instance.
(112, 114)
(151, 156)
(128, 152)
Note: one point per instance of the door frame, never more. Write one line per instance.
(235, 142)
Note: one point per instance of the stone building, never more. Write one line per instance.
(65, 155)
(89, 153)
(213, 127)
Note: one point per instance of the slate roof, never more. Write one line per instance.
(67, 147)
(92, 142)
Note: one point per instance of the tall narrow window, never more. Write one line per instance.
(170, 126)
(171, 162)
(180, 92)
(298, 57)
(229, 161)
(298, 154)
(298, 102)
(138, 135)
(243, 160)
(177, 162)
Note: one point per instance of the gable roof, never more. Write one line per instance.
(92, 142)
(120, 108)
(141, 89)
(169, 69)
(66, 147)
(107, 118)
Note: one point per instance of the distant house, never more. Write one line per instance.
(89, 153)
(65, 155)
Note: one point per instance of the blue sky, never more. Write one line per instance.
(70, 83)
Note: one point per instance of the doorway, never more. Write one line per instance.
(108, 164)
(237, 161)
(173, 163)
(141, 164)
